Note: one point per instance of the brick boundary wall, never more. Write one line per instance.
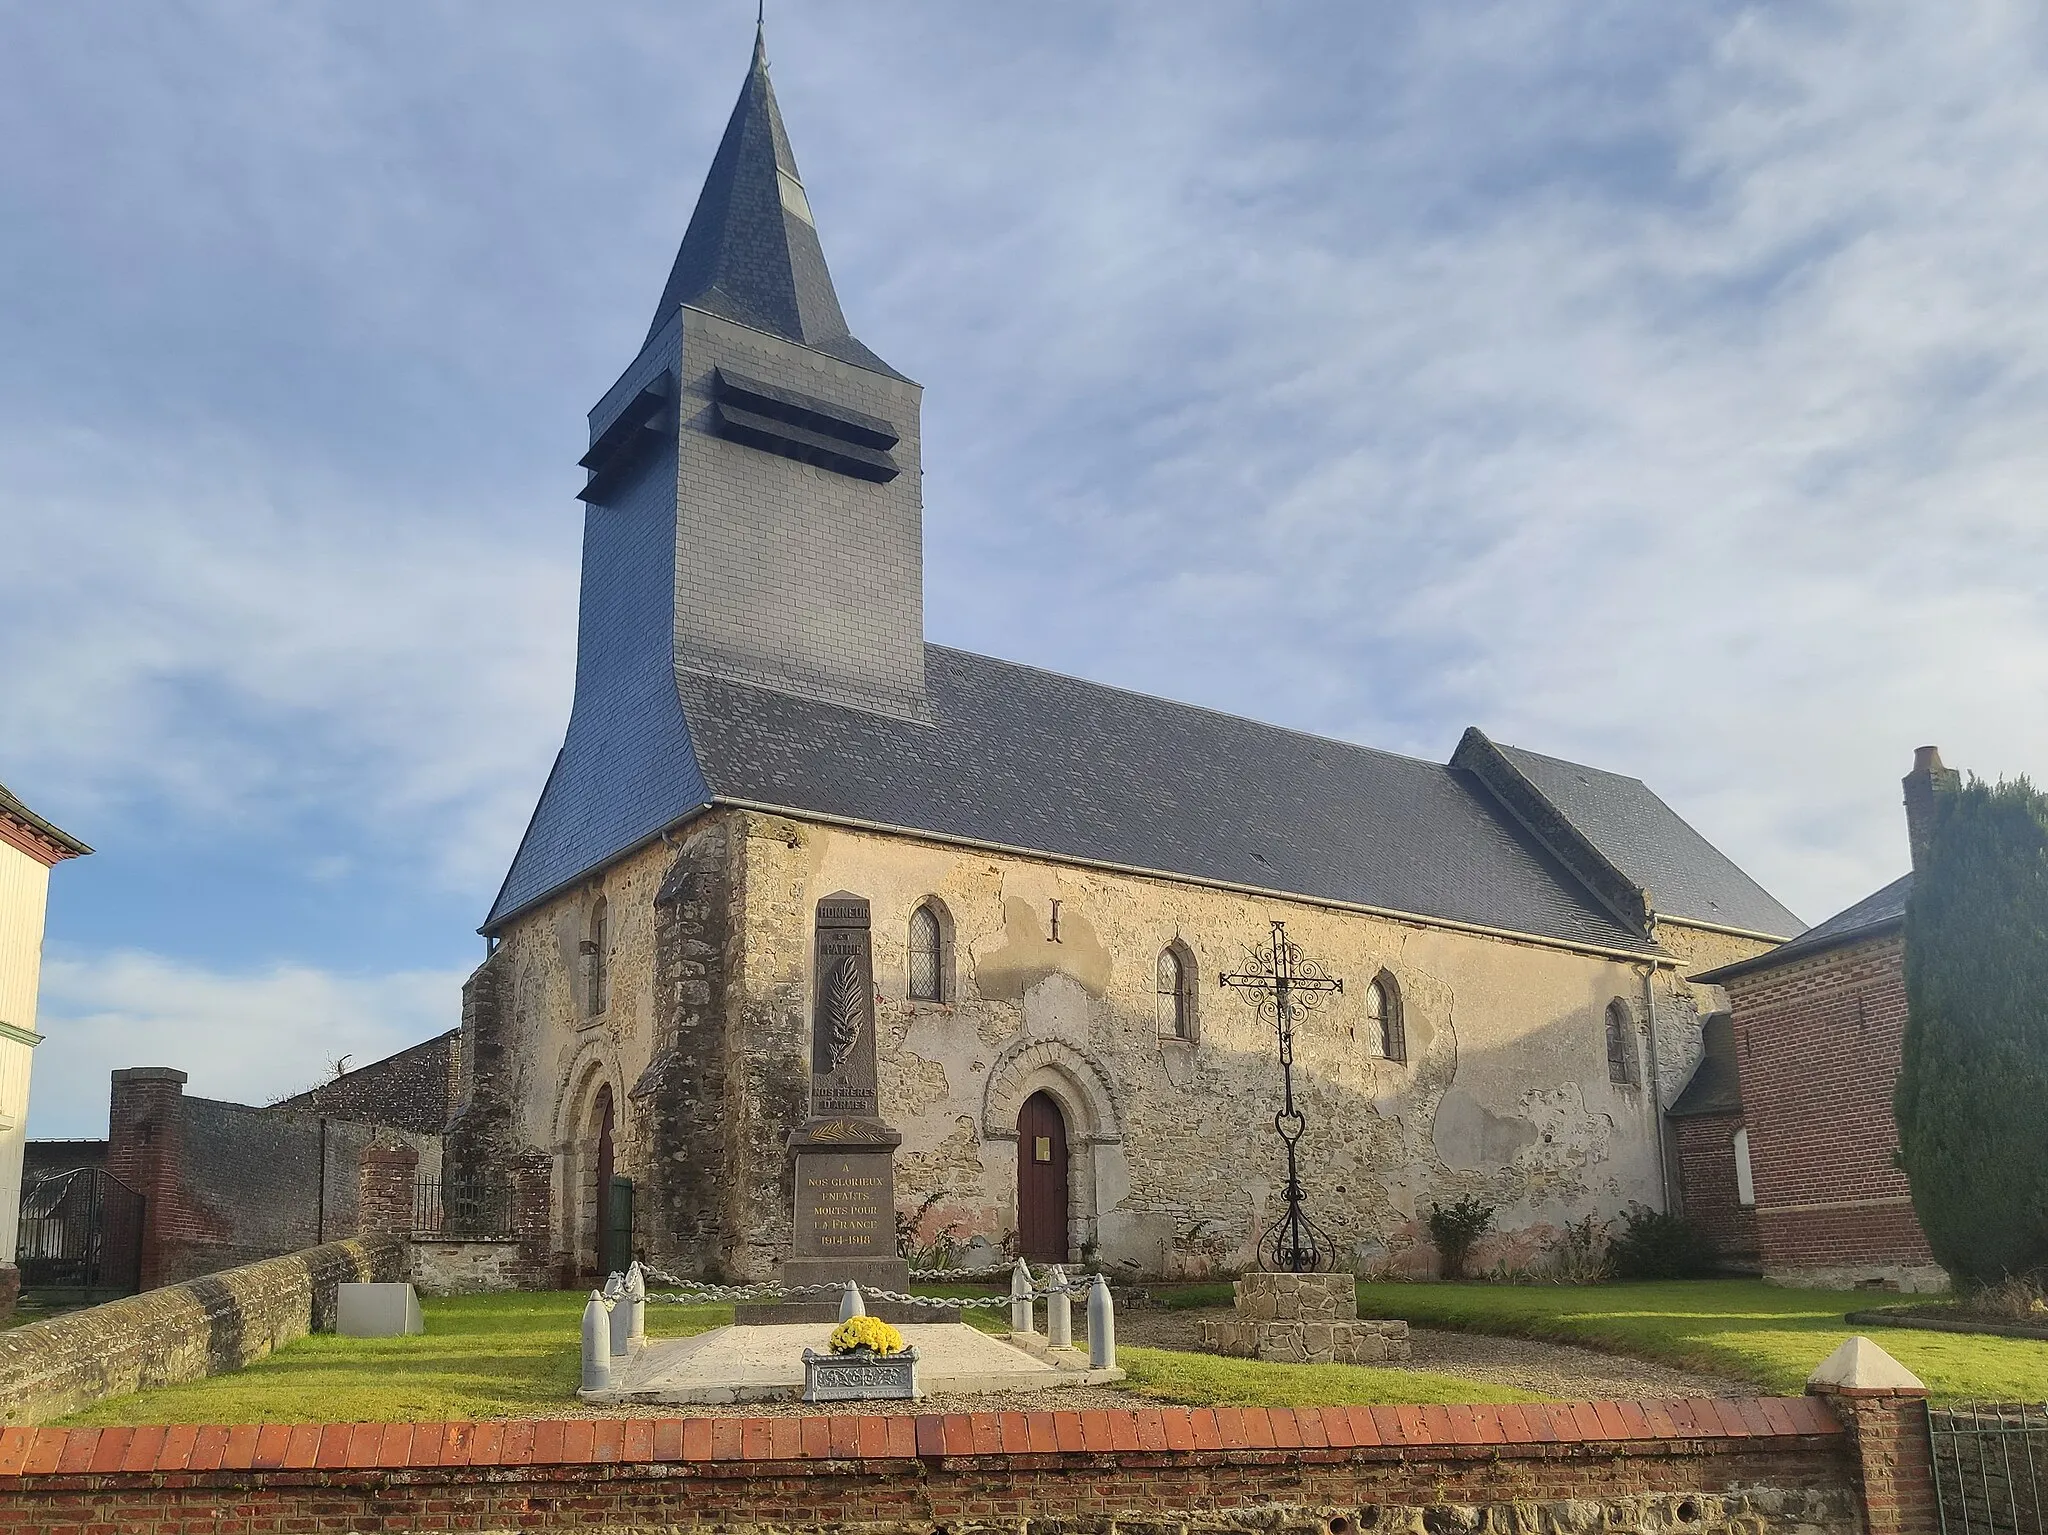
(1768, 1466)
(182, 1332)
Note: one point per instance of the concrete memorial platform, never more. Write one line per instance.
(765, 1363)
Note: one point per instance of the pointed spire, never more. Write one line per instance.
(751, 252)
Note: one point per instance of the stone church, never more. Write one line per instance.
(1058, 873)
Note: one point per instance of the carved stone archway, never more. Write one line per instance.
(593, 1077)
(1088, 1099)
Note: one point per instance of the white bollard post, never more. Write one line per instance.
(1020, 1299)
(636, 1302)
(597, 1345)
(1101, 1326)
(1059, 1310)
(621, 1313)
(850, 1303)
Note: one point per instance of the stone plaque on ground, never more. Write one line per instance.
(844, 1180)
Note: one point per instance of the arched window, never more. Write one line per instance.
(1176, 993)
(1621, 1056)
(596, 959)
(927, 955)
(1385, 1034)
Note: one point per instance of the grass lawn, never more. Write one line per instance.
(489, 1356)
(1744, 1329)
(482, 1356)
(1206, 1380)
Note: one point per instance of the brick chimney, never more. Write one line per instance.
(1923, 786)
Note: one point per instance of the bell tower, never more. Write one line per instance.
(798, 515)
(752, 511)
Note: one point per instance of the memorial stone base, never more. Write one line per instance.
(1304, 1319)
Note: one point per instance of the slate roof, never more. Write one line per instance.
(1028, 759)
(1684, 873)
(1716, 1083)
(1872, 915)
(751, 251)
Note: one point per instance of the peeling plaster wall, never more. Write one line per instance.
(1175, 1166)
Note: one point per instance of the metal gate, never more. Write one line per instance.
(1989, 1463)
(80, 1230)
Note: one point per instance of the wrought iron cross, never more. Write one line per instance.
(1288, 984)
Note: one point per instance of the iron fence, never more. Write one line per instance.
(1989, 1461)
(80, 1230)
(477, 1208)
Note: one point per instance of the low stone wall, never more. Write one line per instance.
(182, 1332)
(472, 1267)
(1776, 1466)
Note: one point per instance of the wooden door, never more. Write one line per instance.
(601, 1191)
(1042, 1180)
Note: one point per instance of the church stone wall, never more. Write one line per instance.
(1174, 1167)
(541, 1056)
(1504, 1095)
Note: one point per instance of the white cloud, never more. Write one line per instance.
(251, 642)
(1656, 387)
(247, 1038)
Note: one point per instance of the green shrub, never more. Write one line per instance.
(1455, 1228)
(1974, 1073)
(1655, 1244)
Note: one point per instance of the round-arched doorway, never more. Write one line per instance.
(1042, 1192)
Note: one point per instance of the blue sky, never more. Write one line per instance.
(1658, 386)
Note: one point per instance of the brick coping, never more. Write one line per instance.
(1535, 1427)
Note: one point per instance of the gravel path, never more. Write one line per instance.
(1555, 1370)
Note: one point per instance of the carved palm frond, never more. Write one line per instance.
(845, 1011)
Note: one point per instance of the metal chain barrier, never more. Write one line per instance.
(613, 1320)
(698, 1292)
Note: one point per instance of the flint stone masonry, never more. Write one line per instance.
(183, 1332)
(1304, 1319)
(1776, 1466)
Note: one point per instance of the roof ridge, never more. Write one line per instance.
(1573, 762)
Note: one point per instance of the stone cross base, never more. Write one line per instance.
(1304, 1319)
(1309, 1342)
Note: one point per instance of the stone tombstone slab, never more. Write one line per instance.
(377, 1311)
(843, 1011)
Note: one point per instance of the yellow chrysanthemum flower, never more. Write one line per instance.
(869, 1332)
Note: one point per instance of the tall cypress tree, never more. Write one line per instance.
(1972, 1098)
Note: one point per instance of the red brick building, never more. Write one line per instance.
(1816, 1032)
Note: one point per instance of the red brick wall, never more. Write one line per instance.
(1706, 1174)
(1817, 1044)
(1770, 1465)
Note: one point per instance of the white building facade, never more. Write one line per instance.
(29, 847)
